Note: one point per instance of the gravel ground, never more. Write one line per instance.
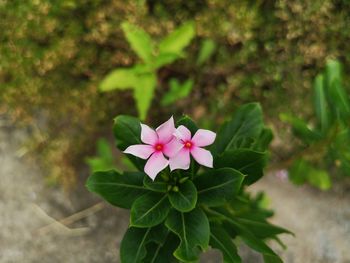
(321, 221)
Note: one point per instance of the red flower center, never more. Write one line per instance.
(159, 147)
(188, 145)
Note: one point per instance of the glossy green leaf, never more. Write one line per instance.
(185, 199)
(217, 186)
(248, 162)
(163, 253)
(133, 246)
(247, 235)
(189, 123)
(262, 229)
(177, 40)
(177, 91)
(300, 128)
(263, 141)
(247, 122)
(144, 92)
(121, 78)
(158, 185)
(320, 101)
(118, 189)
(149, 210)
(207, 49)
(127, 131)
(193, 231)
(221, 240)
(139, 40)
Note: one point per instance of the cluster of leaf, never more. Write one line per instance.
(325, 144)
(184, 212)
(142, 77)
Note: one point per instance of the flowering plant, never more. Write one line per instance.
(184, 198)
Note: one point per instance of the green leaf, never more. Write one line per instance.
(127, 131)
(321, 106)
(177, 40)
(149, 210)
(301, 171)
(193, 231)
(165, 59)
(338, 98)
(139, 41)
(262, 229)
(247, 236)
(118, 189)
(189, 123)
(262, 143)
(221, 240)
(207, 49)
(133, 246)
(158, 185)
(248, 162)
(185, 199)
(247, 122)
(217, 186)
(104, 160)
(121, 78)
(177, 91)
(144, 93)
(300, 128)
(163, 253)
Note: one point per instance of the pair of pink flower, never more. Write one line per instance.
(176, 144)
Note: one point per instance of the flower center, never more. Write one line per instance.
(159, 147)
(188, 144)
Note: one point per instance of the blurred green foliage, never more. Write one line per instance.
(326, 137)
(54, 54)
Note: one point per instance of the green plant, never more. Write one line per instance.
(184, 212)
(142, 77)
(177, 91)
(326, 137)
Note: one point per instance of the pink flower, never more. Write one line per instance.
(192, 145)
(157, 143)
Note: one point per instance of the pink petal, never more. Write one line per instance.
(148, 135)
(140, 150)
(180, 161)
(155, 164)
(183, 133)
(173, 147)
(203, 138)
(202, 156)
(166, 130)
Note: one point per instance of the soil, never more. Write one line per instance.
(320, 220)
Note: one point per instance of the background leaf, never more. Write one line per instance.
(139, 40)
(177, 40)
(118, 189)
(144, 93)
(177, 91)
(121, 78)
(321, 105)
(207, 49)
(104, 160)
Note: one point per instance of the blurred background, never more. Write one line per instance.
(59, 65)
